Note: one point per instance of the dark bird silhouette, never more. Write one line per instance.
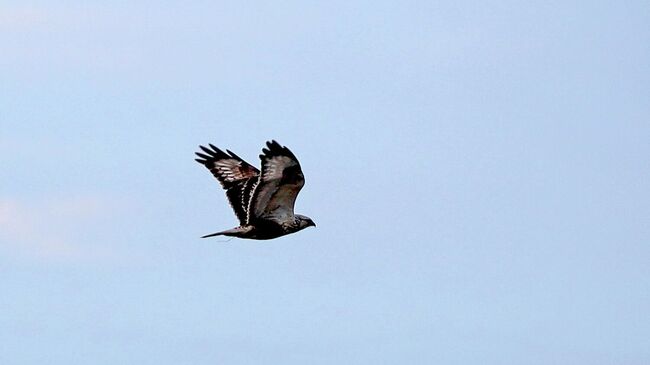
(263, 202)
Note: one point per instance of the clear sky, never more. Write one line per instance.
(479, 173)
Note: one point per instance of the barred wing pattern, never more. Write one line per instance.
(236, 176)
(275, 194)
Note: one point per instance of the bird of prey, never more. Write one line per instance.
(263, 202)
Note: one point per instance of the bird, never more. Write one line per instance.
(263, 201)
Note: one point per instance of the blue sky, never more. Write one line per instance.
(478, 172)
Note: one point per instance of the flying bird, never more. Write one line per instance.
(263, 202)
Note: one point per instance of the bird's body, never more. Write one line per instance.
(263, 201)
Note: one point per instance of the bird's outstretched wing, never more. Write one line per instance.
(275, 194)
(236, 176)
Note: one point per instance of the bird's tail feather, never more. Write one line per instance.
(233, 232)
(213, 234)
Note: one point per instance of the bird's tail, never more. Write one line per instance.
(214, 234)
(234, 232)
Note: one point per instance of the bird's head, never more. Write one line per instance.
(304, 222)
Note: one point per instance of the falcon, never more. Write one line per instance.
(263, 201)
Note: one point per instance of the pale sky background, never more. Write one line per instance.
(479, 173)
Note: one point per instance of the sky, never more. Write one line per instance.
(478, 172)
